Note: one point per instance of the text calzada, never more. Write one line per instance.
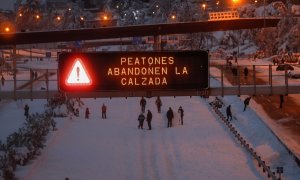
(138, 70)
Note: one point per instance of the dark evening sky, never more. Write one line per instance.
(6, 4)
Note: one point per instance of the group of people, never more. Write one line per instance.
(34, 75)
(228, 108)
(103, 112)
(170, 114)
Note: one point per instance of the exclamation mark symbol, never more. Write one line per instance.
(77, 70)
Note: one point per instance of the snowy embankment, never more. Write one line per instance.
(115, 148)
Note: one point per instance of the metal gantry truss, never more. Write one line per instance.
(23, 85)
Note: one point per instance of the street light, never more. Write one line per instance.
(234, 2)
(7, 29)
(204, 6)
(173, 17)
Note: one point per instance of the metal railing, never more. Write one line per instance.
(223, 79)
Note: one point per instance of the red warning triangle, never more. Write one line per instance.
(78, 75)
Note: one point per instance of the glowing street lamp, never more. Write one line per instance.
(173, 17)
(37, 17)
(58, 18)
(204, 6)
(105, 17)
(7, 29)
(234, 2)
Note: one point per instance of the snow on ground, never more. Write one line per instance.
(115, 148)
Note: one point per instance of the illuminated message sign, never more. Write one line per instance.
(104, 71)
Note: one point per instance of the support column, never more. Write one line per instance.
(14, 56)
(156, 45)
(286, 80)
(270, 79)
(239, 81)
(254, 80)
(47, 82)
(222, 81)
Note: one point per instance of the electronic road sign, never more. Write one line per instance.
(110, 71)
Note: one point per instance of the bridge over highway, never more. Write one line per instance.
(134, 31)
(49, 77)
(263, 80)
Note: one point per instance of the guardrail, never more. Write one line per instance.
(245, 144)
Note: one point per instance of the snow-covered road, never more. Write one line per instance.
(115, 148)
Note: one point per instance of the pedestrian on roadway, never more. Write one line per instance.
(2, 80)
(228, 112)
(246, 102)
(158, 104)
(246, 71)
(180, 111)
(143, 104)
(170, 116)
(281, 100)
(149, 119)
(141, 119)
(103, 108)
(87, 113)
(26, 111)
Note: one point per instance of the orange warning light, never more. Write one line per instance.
(78, 75)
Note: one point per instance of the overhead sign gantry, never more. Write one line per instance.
(117, 71)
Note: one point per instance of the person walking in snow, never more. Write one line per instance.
(141, 119)
(281, 100)
(143, 104)
(246, 71)
(149, 119)
(158, 104)
(228, 112)
(77, 112)
(103, 108)
(26, 111)
(170, 116)
(2, 80)
(35, 75)
(87, 113)
(246, 102)
(180, 111)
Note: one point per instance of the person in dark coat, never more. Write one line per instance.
(2, 80)
(103, 108)
(35, 75)
(77, 112)
(170, 116)
(87, 113)
(281, 100)
(26, 109)
(143, 104)
(141, 119)
(158, 104)
(246, 102)
(228, 112)
(149, 119)
(180, 111)
(246, 71)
